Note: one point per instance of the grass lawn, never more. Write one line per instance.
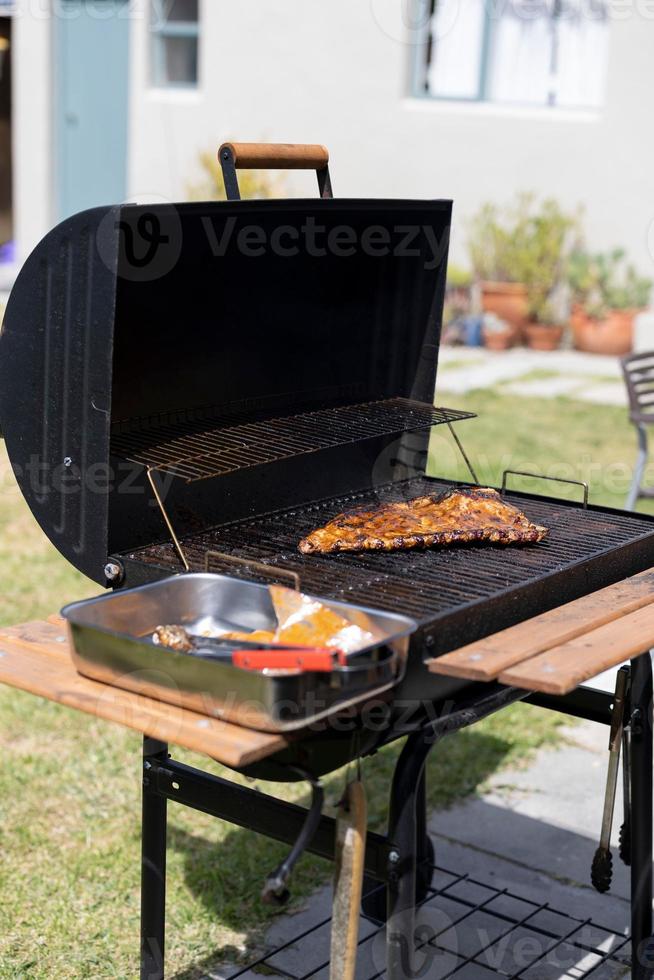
(69, 786)
(556, 437)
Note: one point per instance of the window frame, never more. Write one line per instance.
(422, 62)
(162, 30)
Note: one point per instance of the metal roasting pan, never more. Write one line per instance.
(110, 642)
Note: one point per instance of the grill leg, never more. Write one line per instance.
(425, 859)
(153, 868)
(639, 470)
(407, 796)
(641, 818)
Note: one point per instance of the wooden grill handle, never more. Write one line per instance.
(277, 156)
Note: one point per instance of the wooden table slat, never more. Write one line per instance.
(563, 668)
(552, 653)
(32, 660)
(491, 658)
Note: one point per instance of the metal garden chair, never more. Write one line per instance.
(638, 370)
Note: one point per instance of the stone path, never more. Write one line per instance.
(533, 833)
(569, 373)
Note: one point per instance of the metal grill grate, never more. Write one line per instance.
(193, 450)
(476, 931)
(423, 584)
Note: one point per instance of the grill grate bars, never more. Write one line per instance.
(422, 584)
(194, 450)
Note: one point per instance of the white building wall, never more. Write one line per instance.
(32, 137)
(305, 70)
(337, 73)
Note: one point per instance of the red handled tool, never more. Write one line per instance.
(308, 658)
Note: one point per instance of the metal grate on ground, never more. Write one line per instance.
(469, 930)
(196, 450)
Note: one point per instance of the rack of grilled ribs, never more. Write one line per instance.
(458, 516)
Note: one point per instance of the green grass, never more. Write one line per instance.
(536, 374)
(69, 784)
(604, 379)
(461, 362)
(556, 437)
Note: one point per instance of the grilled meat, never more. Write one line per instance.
(302, 621)
(174, 637)
(461, 515)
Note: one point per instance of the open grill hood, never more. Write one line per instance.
(250, 355)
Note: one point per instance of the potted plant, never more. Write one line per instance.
(253, 184)
(548, 241)
(496, 333)
(519, 255)
(490, 245)
(457, 306)
(544, 330)
(607, 293)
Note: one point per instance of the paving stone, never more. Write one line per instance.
(546, 816)
(544, 387)
(577, 373)
(286, 927)
(605, 394)
(609, 911)
(533, 834)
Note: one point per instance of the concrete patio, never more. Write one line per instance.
(519, 371)
(528, 840)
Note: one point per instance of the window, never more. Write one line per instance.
(530, 52)
(175, 42)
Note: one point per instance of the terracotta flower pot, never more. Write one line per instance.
(508, 300)
(498, 339)
(611, 335)
(543, 336)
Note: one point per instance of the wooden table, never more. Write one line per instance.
(34, 657)
(553, 654)
(556, 652)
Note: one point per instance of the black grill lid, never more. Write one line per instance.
(126, 323)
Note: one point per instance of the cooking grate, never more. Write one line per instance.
(195, 450)
(423, 584)
(475, 931)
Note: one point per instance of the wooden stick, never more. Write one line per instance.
(278, 156)
(348, 882)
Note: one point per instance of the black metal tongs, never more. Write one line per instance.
(602, 869)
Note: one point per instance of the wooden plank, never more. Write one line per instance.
(39, 635)
(563, 668)
(486, 659)
(31, 661)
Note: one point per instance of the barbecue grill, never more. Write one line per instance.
(195, 387)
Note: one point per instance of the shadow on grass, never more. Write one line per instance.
(227, 877)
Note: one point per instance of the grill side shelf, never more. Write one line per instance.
(560, 649)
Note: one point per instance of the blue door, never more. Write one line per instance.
(92, 93)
